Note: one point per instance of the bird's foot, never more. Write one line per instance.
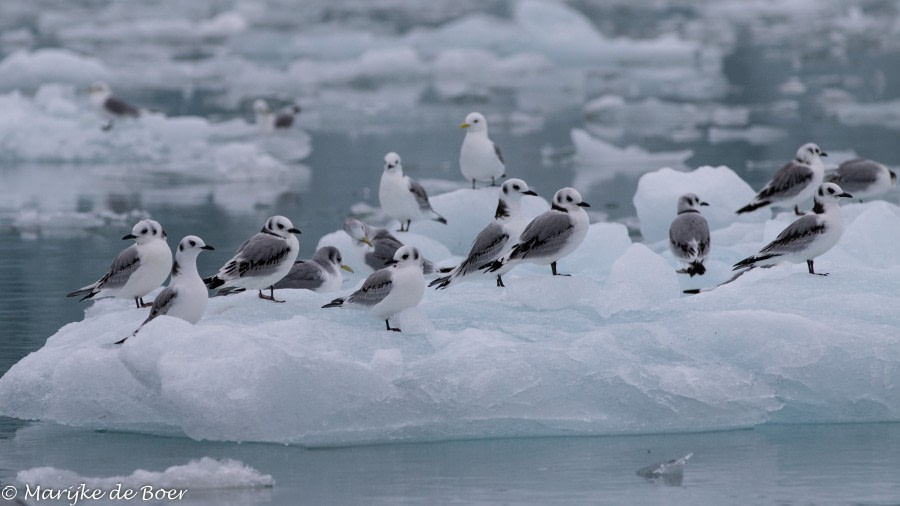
(269, 297)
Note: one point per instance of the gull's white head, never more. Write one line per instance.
(690, 202)
(145, 231)
(260, 107)
(99, 88)
(809, 153)
(358, 230)
(330, 256)
(392, 163)
(474, 122)
(280, 226)
(830, 192)
(568, 199)
(407, 255)
(515, 188)
(192, 244)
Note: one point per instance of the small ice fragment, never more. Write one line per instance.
(669, 473)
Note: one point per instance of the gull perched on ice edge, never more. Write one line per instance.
(321, 273)
(794, 183)
(689, 235)
(402, 198)
(479, 157)
(186, 295)
(390, 290)
(552, 235)
(110, 106)
(382, 242)
(863, 178)
(270, 121)
(496, 238)
(137, 270)
(261, 261)
(807, 237)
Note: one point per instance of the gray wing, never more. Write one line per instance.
(124, 265)
(421, 196)
(788, 182)
(162, 303)
(855, 175)
(544, 236)
(685, 229)
(487, 247)
(284, 120)
(499, 154)
(120, 107)
(304, 274)
(376, 287)
(797, 236)
(261, 255)
(385, 245)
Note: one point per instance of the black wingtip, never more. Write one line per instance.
(335, 303)
(213, 282)
(441, 219)
(440, 283)
(753, 206)
(691, 291)
(494, 266)
(121, 341)
(696, 269)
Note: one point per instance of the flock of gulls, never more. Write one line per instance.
(268, 260)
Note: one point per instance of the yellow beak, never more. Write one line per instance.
(464, 125)
(346, 268)
(367, 241)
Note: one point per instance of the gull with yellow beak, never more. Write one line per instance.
(479, 158)
(321, 273)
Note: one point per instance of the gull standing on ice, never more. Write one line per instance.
(794, 183)
(863, 178)
(382, 242)
(390, 290)
(403, 198)
(496, 238)
(322, 273)
(110, 106)
(261, 261)
(551, 236)
(137, 270)
(270, 121)
(479, 157)
(689, 235)
(807, 237)
(186, 295)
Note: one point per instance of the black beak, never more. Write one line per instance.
(530, 192)
(584, 204)
(704, 203)
(293, 231)
(391, 262)
(129, 236)
(845, 194)
(208, 247)
(823, 154)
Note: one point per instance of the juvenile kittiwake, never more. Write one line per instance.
(388, 291)
(497, 238)
(261, 261)
(269, 121)
(550, 236)
(110, 106)
(794, 183)
(137, 270)
(689, 235)
(186, 295)
(863, 178)
(479, 158)
(321, 273)
(807, 237)
(382, 243)
(403, 198)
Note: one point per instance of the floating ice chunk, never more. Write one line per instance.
(670, 472)
(758, 135)
(24, 69)
(852, 113)
(206, 473)
(640, 279)
(657, 195)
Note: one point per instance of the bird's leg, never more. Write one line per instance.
(493, 181)
(553, 268)
(271, 295)
(809, 263)
(388, 325)
(145, 304)
(473, 184)
(408, 223)
(500, 281)
(137, 302)
(797, 211)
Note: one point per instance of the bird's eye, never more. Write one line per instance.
(516, 187)
(192, 243)
(181, 247)
(143, 231)
(475, 121)
(280, 226)
(405, 256)
(831, 190)
(568, 199)
(415, 256)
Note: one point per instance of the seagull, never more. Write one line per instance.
(269, 121)
(863, 178)
(382, 242)
(137, 270)
(550, 236)
(479, 158)
(322, 273)
(261, 261)
(186, 295)
(110, 106)
(495, 239)
(794, 183)
(689, 235)
(403, 198)
(388, 291)
(807, 237)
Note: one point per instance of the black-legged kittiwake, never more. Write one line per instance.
(321, 273)
(794, 183)
(689, 235)
(388, 291)
(137, 270)
(863, 178)
(269, 121)
(110, 106)
(479, 157)
(401, 197)
(381, 242)
(261, 261)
